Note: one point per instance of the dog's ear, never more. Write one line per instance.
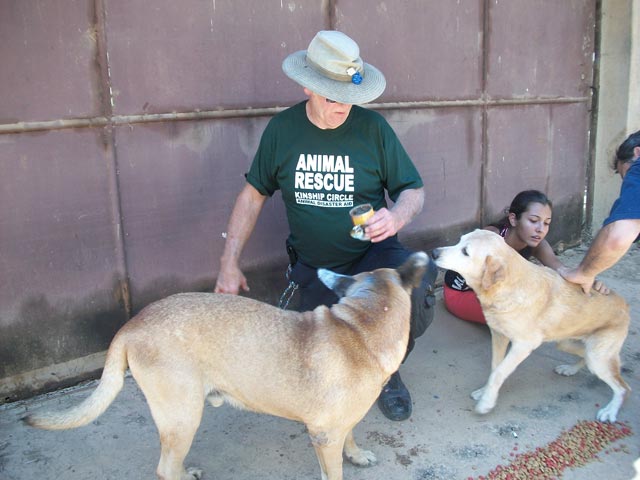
(493, 272)
(413, 269)
(339, 284)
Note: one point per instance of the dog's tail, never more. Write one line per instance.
(93, 406)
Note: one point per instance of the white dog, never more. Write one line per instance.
(527, 304)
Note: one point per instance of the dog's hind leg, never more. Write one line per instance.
(356, 455)
(517, 353)
(177, 425)
(328, 447)
(176, 402)
(574, 347)
(603, 359)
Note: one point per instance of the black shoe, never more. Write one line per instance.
(395, 400)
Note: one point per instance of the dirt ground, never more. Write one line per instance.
(444, 439)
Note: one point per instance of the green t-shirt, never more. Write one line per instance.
(324, 173)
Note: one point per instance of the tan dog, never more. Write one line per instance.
(527, 304)
(324, 368)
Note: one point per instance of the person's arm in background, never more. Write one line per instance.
(548, 258)
(241, 224)
(610, 244)
(387, 222)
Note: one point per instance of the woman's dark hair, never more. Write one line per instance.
(520, 204)
(624, 153)
(522, 201)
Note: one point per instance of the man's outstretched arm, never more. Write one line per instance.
(611, 243)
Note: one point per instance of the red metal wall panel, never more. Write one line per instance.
(541, 147)
(540, 48)
(181, 56)
(48, 51)
(178, 183)
(60, 270)
(427, 50)
(446, 145)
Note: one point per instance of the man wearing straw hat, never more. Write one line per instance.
(328, 155)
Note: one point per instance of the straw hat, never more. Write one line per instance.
(332, 67)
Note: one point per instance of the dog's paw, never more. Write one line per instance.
(483, 407)
(607, 414)
(568, 370)
(477, 394)
(193, 474)
(215, 400)
(362, 458)
(486, 402)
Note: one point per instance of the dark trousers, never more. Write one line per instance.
(389, 253)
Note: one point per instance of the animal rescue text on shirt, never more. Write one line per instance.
(324, 180)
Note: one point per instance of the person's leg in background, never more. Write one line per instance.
(305, 290)
(309, 290)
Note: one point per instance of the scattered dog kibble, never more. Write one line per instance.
(573, 448)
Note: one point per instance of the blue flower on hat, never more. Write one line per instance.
(356, 78)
